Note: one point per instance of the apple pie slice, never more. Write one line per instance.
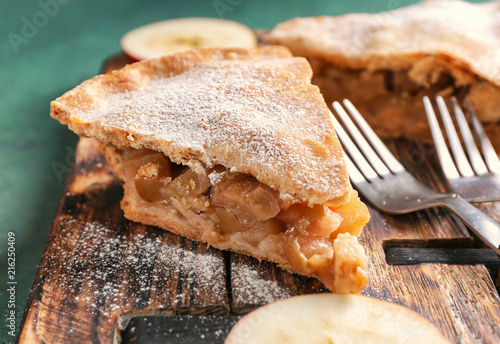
(386, 62)
(230, 147)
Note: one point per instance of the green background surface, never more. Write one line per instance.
(63, 50)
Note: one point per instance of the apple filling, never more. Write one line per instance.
(391, 99)
(234, 210)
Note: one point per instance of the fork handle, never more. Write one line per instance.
(486, 228)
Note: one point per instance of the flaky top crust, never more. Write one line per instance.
(252, 111)
(466, 34)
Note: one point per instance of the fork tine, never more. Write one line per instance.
(447, 163)
(458, 152)
(354, 174)
(369, 153)
(474, 155)
(363, 165)
(379, 146)
(489, 153)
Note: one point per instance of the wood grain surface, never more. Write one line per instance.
(98, 269)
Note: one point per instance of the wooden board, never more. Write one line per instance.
(98, 269)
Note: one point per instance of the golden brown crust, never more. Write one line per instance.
(253, 111)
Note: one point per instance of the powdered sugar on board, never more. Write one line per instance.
(256, 290)
(104, 270)
(254, 116)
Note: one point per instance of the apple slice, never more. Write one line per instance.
(333, 318)
(175, 35)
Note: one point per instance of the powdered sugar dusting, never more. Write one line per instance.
(254, 289)
(104, 272)
(198, 271)
(215, 177)
(261, 117)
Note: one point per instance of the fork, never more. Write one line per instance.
(479, 183)
(379, 176)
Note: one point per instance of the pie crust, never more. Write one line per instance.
(230, 147)
(386, 62)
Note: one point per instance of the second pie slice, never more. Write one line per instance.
(230, 147)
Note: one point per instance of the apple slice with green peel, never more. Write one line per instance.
(175, 35)
(334, 318)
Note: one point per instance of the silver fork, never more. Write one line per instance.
(379, 176)
(479, 182)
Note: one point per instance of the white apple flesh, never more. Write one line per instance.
(334, 318)
(175, 35)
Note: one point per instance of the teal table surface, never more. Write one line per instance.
(49, 46)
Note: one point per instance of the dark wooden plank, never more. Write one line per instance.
(178, 329)
(98, 266)
(461, 256)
